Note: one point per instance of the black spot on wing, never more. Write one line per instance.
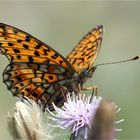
(54, 56)
(35, 94)
(50, 77)
(30, 59)
(25, 46)
(27, 89)
(60, 61)
(46, 51)
(16, 50)
(19, 40)
(18, 56)
(22, 84)
(38, 46)
(27, 39)
(18, 78)
(36, 53)
(10, 44)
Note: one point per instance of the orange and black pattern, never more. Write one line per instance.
(35, 69)
(84, 54)
(20, 46)
(38, 71)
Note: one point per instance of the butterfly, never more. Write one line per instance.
(39, 72)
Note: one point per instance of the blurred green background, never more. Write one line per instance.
(61, 25)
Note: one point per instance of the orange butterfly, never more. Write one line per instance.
(38, 71)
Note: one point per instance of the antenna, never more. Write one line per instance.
(116, 62)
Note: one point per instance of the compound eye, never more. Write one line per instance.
(85, 72)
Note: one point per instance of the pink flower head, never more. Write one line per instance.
(76, 112)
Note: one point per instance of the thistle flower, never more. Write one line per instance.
(76, 113)
(88, 117)
(27, 122)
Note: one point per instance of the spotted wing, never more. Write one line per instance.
(35, 69)
(36, 81)
(20, 46)
(84, 54)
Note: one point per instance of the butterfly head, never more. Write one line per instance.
(91, 71)
(86, 74)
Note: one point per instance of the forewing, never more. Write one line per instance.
(84, 54)
(20, 46)
(35, 70)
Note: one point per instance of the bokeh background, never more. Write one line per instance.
(62, 24)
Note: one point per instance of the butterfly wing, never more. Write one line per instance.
(84, 54)
(20, 46)
(36, 81)
(35, 70)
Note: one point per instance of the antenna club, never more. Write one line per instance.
(136, 57)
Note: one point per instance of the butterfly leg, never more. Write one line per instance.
(64, 90)
(93, 88)
(79, 87)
